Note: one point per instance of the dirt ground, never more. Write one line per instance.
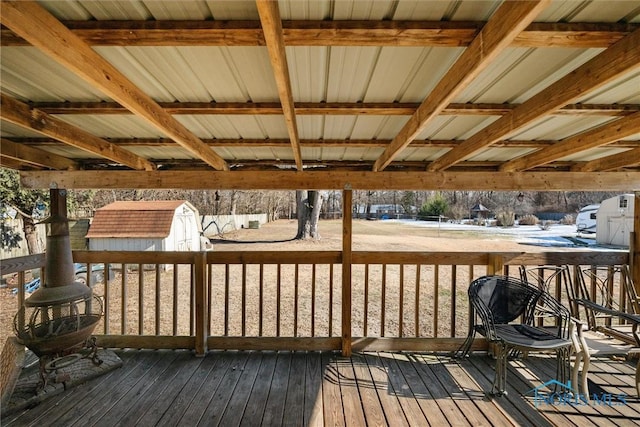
(278, 236)
(369, 236)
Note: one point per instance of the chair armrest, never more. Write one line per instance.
(588, 304)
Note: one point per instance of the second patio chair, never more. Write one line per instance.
(595, 288)
(506, 308)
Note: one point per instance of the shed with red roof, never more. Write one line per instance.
(160, 225)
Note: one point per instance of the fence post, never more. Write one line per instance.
(347, 228)
(202, 327)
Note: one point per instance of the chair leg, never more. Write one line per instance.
(464, 350)
(638, 377)
(574, 372)
(500, 379)
(584, 387)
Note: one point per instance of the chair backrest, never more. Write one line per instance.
(503, 299)
(630, 289)
(553, 280)
(597, 284)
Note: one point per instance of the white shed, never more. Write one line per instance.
(161, 225)
(615, 221)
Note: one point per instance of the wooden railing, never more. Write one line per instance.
(294, 300)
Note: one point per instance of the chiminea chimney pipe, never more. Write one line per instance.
(59, 285)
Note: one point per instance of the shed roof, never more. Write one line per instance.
(134, 219)
(502, 89)
(480, 208)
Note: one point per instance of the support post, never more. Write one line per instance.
(634, 246)
(202, 327)
(347, 229)
(496, 264)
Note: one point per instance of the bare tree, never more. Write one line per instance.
(309, 203)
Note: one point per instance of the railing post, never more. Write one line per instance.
(634, 247)
(202, 327)
(347, 228)
(496, 264)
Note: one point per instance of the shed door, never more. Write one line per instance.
(618, 231)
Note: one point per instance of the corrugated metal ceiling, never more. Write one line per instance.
(318, 74)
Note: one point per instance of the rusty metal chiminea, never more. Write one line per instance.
(57, 320)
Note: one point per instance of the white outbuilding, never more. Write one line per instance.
(161, 225)
(615, 221)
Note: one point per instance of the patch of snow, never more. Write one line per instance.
(557, 235)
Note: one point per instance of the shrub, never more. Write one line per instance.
(506, 219)
(568, 219)
(545, 225)
(528, 220)
(434, 207)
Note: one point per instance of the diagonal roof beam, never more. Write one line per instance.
(33, 23)
(19, 113)
(609, 163)
(608, 65)
(505, 24)
(593, 138)
(35, 156)
(272, 28)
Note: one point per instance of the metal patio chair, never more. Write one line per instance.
(594, 295)
(506, 308)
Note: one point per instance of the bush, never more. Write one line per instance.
(529, 220)
(506, 219)
(568, 219)
(434, 207)
(545, 225)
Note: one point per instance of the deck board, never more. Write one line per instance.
(229, 388)
(175, 411)
(225, 391)
(258, 398)
(238, 402)
(351, 403)
(313, 414)
(410, 406)
(110, 397)
(372, 407)
(294, 402)
(510, 404)
(331, 396)
(471, 391)
(393, 410)
(424, 382)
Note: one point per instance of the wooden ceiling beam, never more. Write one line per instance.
(622, 57)
(35, 156)
(272, 28)
(330, 33)
(16, 164)
(593, 138)
(328, 108)
(313, 143)
(328, 180)
(19, 113)
(503, 26)
(44, 31)
(610, 163)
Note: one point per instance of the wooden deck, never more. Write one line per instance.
(170, 388)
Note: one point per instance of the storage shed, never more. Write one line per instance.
(164, 225)
(614, 221)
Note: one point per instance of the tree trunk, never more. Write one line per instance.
(309, 204)
(234, 203)
(31, 236)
